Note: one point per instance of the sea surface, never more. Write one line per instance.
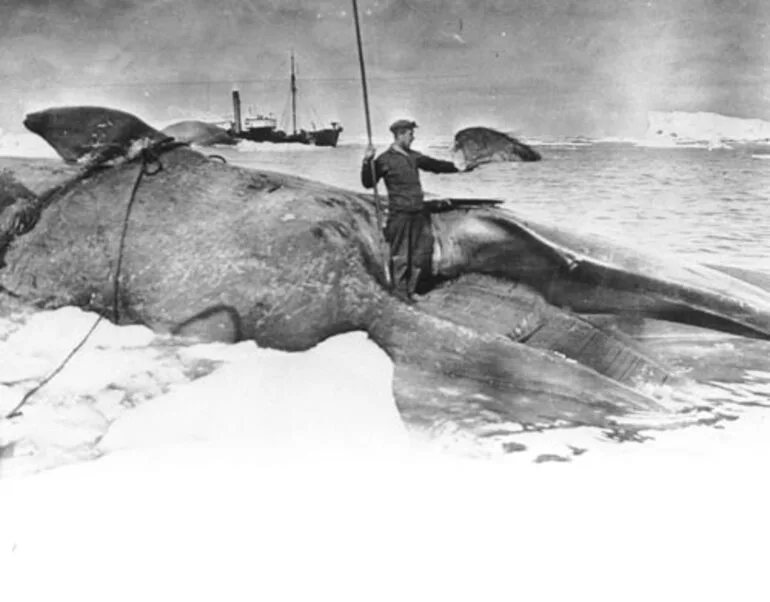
(710, 206)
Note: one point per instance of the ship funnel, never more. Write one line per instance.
(236, 111)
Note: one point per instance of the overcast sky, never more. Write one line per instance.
(570, 67)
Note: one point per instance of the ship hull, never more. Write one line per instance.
(325, 137)
(258, 134)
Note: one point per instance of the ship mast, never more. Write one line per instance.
(293, 96)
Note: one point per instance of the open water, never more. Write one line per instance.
(710, 206)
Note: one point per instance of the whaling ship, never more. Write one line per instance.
(264, 128)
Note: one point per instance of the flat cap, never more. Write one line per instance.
(402, 124)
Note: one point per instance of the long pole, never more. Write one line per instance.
(385, 250)
(293, 97)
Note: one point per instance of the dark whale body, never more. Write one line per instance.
(480, 145)
(97, 134)
(200, 133)
(225, 253)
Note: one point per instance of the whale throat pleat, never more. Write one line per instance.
(513, 310)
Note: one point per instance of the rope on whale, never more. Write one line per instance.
(149, 156)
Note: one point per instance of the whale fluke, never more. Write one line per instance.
(95, 134)
(480, 145)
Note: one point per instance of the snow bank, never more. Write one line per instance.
(337, 396)
(702, 126)
(127, 388)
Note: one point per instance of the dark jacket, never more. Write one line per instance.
(399, 169)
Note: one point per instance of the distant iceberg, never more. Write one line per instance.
(678, 127)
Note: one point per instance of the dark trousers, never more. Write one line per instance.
(411, 249)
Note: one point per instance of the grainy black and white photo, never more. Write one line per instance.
(384, 299)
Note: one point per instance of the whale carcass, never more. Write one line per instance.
(200, 133)
(226, 253)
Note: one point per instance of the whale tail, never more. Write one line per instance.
(93, 135)
(479, 145)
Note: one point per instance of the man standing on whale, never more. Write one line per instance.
(408, 229)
